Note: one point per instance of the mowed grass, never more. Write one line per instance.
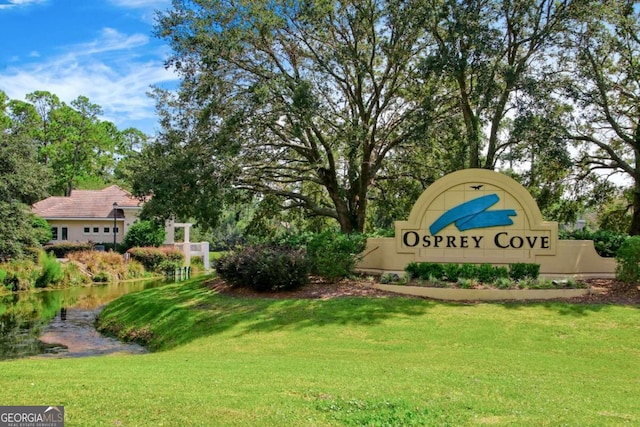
(224, 361)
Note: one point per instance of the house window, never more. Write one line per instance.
(65, 233)
(87, 230)
(54, 233)
(115, 230)
(96, 230)
(106, 230)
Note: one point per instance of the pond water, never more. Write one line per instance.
(60, 323)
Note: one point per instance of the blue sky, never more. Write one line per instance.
(101, 49)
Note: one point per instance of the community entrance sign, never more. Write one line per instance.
(480, 216)
(477, 215)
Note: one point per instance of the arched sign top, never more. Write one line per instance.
(476, 215)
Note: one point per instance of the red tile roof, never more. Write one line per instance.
(86, 204)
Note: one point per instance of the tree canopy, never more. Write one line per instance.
(23, 182)
(604, 85)
(331, 106)
(307, 98)
(79, 148)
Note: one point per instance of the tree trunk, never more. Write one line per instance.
(635, 215)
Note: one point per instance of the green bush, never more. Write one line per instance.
(334, 255)
(51, 271)
(628, 260)
(265, 268)
(428, 270)
(412, 270)
(521, 270)
(144, 234)
(468, 271)
(3, 276)
(606, 242)
(486, 273)
(451, 271)
(533, 270)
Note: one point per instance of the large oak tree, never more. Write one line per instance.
(500, 57)
(306, 99)
(605, 89)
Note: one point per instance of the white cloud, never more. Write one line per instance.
(111, 40)
(18, 3)
(114, 72)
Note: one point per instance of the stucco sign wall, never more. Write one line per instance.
(479, 216)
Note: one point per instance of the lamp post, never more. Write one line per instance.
(115, 207)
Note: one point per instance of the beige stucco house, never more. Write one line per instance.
(90, 215)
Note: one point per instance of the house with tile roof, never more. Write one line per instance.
(90, 215)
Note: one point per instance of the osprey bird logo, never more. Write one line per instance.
(474, 214)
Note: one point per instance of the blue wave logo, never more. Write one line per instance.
(474, 214)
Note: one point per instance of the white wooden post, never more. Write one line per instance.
(204, 249)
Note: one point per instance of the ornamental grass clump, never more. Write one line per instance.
(106, 266)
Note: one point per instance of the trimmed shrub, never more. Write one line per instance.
(521, 270)
(412, 270)
(468, 271)
(486, 273)
(628, 261)
(451, 272)
(265, 268)
(430, 270)
(151, 257)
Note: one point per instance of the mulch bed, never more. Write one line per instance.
(603, 291)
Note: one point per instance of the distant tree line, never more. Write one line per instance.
(48, 147)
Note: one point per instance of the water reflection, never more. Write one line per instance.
(60, 322)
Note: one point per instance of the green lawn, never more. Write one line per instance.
(226, 361)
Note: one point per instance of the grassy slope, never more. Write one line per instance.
(348, 361)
